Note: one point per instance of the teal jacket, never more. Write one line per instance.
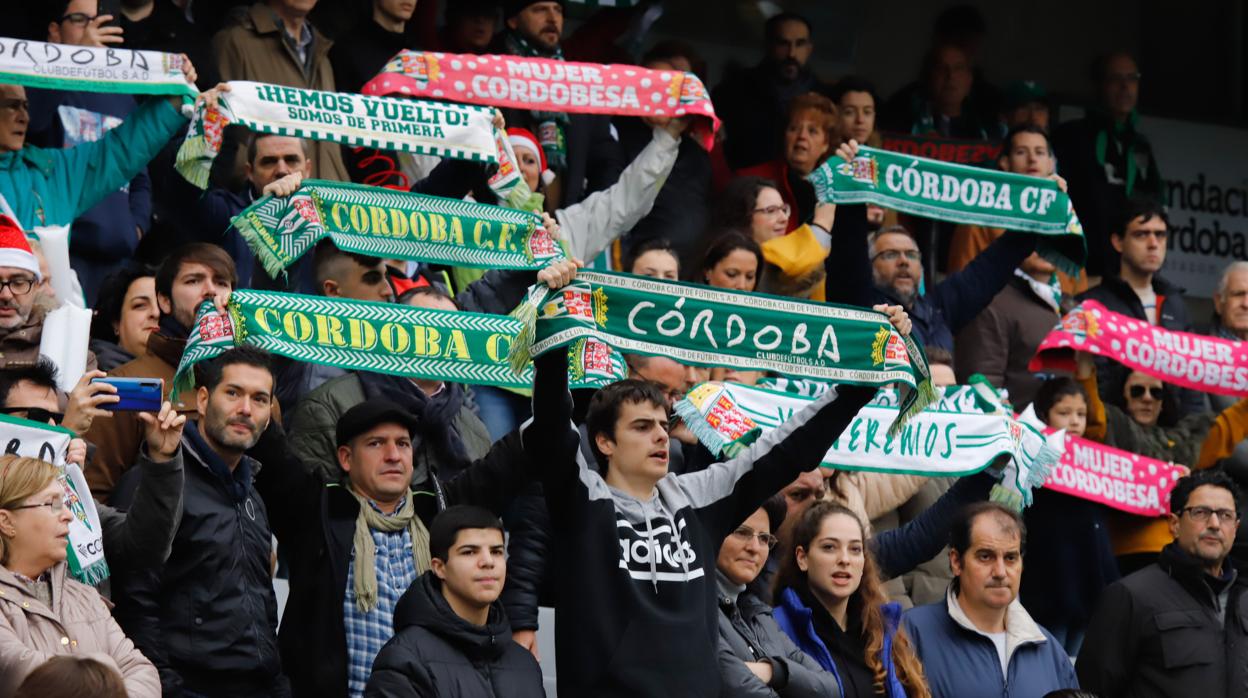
(54, 186)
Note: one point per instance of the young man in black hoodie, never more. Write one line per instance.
(452, 639)
(635, 548)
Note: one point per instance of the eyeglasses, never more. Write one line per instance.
(892, 255)
(56, 505)
(34, 414)
(14, 103)
(1202, 514)
(19, 286)
(79, 18)
(745, 533)
(1137, 391)
(782, 209)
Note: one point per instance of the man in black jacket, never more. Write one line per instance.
(207, 618)
(451, 636)
(1178, 627)
(318, 521)
(1138, 290)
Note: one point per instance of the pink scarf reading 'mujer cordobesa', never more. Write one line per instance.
(1194, 361)
(548, 85)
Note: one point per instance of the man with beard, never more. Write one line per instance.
(580, 148)
(754, 102)
(1177, 627)
(190, 275)
(207, 618)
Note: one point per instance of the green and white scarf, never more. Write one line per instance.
(953, 436)
(958, 194)
(85, 550)
(393, 225)
(400, 340)
(458, 131)
(89, 69)
(713, 327)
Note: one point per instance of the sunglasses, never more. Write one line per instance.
(34, 414)
(1137, 391)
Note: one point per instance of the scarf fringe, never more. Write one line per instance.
(194, 160)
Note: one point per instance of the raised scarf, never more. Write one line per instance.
(952, 436)
(365, 563)
(393, 224)
(552, 126)
(958, 194)
(85, 549)
(89, 69)
(715, 327)
(1188, 360)
(551, 88)
(399, 340)
(459, 131)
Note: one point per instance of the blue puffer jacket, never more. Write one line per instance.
(796, 620)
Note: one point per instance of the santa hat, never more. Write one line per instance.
(524, 138)
(15, 249)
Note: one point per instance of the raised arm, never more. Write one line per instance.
(962, 295)
(593, 224)
(902, 549)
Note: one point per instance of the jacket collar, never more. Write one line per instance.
(28, 335)
(1161, 286)
(167, 349)
(1020, 629)
(1188, 572)
(12, 588)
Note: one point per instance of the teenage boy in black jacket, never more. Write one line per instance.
(635, 548)
(452, 639)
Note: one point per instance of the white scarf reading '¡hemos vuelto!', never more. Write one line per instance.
(24, 437)
(458, 131)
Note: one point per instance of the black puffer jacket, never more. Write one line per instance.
(1168, 630)
(435, 653)
(207, 618)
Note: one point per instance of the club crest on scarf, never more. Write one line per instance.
(421, 67)
(589, 358)
(1081, 324)
(888, 349)
(579, 301)
(861, 169)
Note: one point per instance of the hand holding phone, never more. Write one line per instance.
(135, 394)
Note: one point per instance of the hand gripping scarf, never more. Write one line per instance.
(713, 327)
(399, 340)
(393, 224)
(958, 194)
(549, 85)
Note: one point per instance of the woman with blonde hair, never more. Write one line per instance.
(43, 612)
(832, 605)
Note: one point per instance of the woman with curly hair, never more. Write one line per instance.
(832, 605)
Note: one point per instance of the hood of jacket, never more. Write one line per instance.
(423, 605)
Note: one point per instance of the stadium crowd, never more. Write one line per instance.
(420, 523)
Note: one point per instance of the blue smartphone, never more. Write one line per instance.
(137, 394)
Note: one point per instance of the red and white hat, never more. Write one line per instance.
(524, 138)
(15, 249)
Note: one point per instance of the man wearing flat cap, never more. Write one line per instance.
(355, 544)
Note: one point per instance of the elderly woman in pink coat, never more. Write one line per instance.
(43, 612)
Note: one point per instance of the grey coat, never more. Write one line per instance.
(748, 633)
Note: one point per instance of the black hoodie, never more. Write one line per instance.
(436, 653)
(638, 607)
